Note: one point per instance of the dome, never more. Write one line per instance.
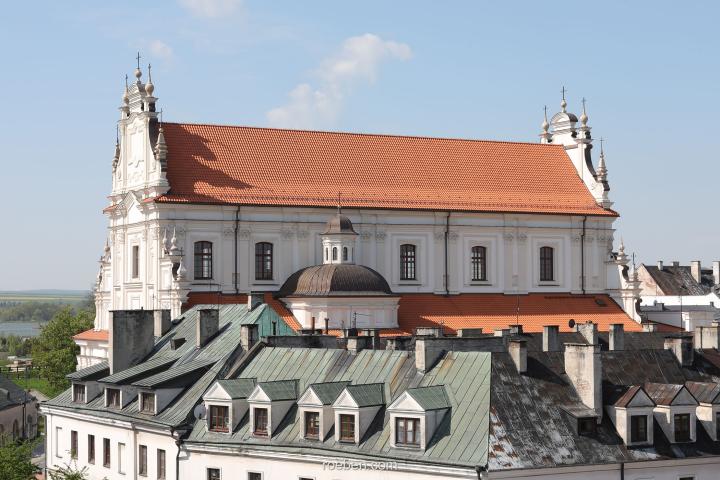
(335, 280)
(339, 224)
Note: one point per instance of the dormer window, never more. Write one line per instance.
(586, 426)
(147, 402)
(79, 393)
(682, 427)
(312, 425)
(219, 419)
(347, 428)
(638, 428)
(260, 422)
(407, 432)
(112, 397)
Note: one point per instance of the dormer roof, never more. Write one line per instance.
(669, 394)
(277, 391)
(365, 395)
(704, 392)
(93, 372)
(238, 388)
(328, 392)
(627, 396)
(176, 376)
(145, 369)
(430, 398)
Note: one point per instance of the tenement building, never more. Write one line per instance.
(384, 233)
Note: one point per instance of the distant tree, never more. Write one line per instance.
(54, 350)
(15, 461)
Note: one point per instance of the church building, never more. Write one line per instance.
(382, 233)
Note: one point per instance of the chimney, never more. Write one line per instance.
(695, 270)
(660, 265)
(518, 353)
(649, 327)
(469, 332)
(131, 338)
(716, 272)
(707, 337)
(589, 331)
(312, 325)
(501, 332)
(255, 299)
(427, 351)
(207, 326)
(675, 263)
(551, 342)
(583, 366)
(616, 336)
(162, 322)
(358, 343)
(327, 326)
(248, 336)
(516, 329)
(682, 347)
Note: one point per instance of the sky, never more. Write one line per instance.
(472, 69)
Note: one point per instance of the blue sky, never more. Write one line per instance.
(649, 71)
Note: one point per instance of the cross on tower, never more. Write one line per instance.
(545, 109)
(564, 91)
(138, 60)
(583, 103)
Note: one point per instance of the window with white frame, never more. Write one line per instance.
(79, 393)
(547, 264)
(407, 432)
(147, 402)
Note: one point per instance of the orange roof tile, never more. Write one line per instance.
(93, 335)
(261, 166)
(282, 311)
(494, 311)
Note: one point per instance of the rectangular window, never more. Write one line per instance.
(78, 393)
(58, 443)
(478, 257)
(263, 261)
(91, 449)
(312, 425)
(135, 261)
(682, 427)
(407, 432)
(407, 262)
(147, 402)
(203, 260)
(219, 421)
(142, 460)
(112, 396)
(638, 428)
(254, 476)
(547, 266)
(213, 474)
(261, 422)
(106, 452)
(347, 428)
(73, 444)
(161, 464)
(121, 458)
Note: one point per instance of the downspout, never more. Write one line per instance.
(622, 470)
(235, 268)
(582, 256)
(177, 455)
(447, 235)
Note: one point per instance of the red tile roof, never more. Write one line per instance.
(93, 335)
(495, 311)
(205, 298)
(261, 166)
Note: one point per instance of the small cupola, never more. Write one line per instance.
(338, 240)
(269, 402)
(226, 403)
(708, 410)
(315, 408)
(416, 414)
(631, 409)
(675, 411)
(355, 409)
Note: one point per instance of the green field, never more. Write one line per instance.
(59, 296)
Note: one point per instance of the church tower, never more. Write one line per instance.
(563, 129)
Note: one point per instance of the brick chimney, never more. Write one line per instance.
(583, 366)
(131, 338)
(208, 325)
(551, 341)
(518, 352)
(695, 270)
(616, 336)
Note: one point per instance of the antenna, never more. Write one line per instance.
(199, 412)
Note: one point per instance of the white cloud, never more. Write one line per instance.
(357, 61)
(161, 50)
(212, 8)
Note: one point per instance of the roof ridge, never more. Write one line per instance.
(367, 134)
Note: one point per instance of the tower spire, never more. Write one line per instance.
(583, 116)
(563, 103)
(149, 87)
(138, 72)
(545, 136)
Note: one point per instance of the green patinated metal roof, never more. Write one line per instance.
(173, 374)
(144, 369)
(368, 395)
(430, 398)
(238, 387)
(280, 390)
(92, 372)
(461, 438)
(328, 392)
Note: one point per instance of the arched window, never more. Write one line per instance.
(547, 273)
(327, 257)
(334, 257)
(478, 258)
(203, 260)
(263, 261)
(345, 254)
(407, 262)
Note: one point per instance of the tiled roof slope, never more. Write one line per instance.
(92, 334)
(495, 311)
(216, 164)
